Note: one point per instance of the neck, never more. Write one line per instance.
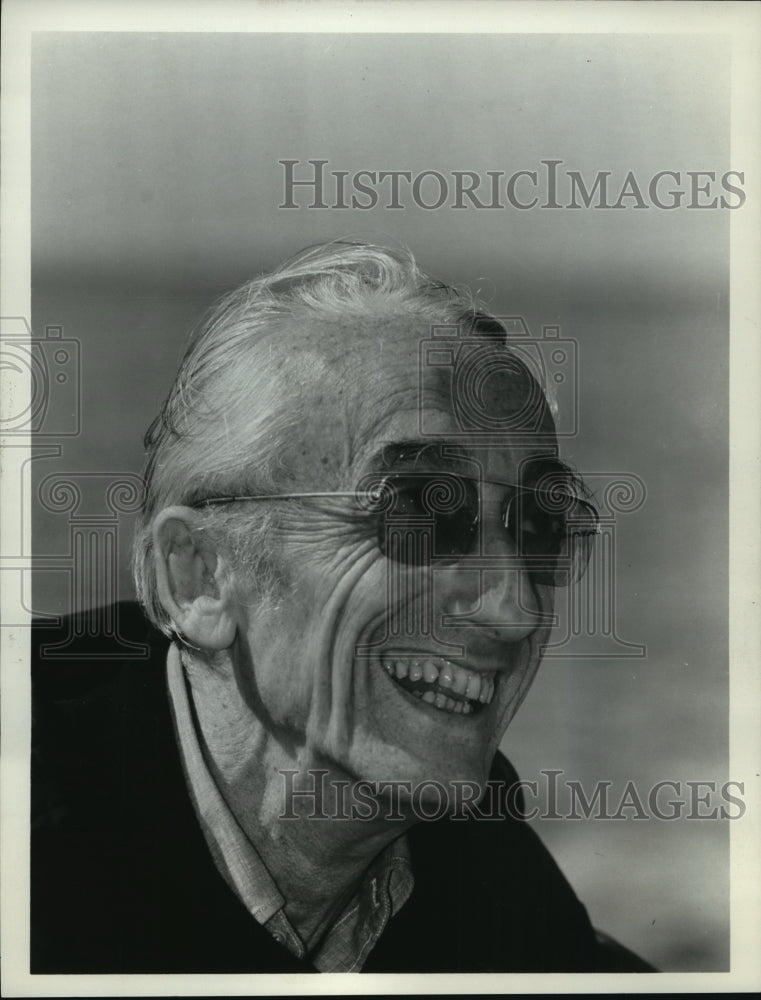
(298, 812)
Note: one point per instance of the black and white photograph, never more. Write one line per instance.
(380, 529)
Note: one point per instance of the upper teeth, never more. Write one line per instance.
(468, 684)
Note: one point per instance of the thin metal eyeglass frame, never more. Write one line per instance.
(335, 494)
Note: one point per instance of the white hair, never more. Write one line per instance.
(229, 413)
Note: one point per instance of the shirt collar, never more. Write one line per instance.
(385, 888)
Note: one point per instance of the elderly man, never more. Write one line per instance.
(354, 522)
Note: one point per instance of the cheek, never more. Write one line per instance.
(302, 646)
(341, 703)
(274, 674)
(353, 620)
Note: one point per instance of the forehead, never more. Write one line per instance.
(375, 383)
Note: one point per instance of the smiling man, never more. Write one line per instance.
(355, 519)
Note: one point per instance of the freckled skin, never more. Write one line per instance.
(297, 695)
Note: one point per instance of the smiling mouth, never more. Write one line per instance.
(441, 683)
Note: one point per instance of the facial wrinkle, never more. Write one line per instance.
(330, 702)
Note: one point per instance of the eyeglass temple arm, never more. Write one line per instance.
(299, 496)
(269, 496)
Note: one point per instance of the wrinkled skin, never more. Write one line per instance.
(290, 691)
(298, 659)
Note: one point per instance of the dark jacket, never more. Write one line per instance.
(122, 880)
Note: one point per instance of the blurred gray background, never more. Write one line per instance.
(155, 187)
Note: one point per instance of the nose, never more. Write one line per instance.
(499, 598)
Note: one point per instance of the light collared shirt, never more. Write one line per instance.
(385, 887)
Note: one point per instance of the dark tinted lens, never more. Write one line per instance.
(434, 514)
(537, 528)
(552, 534)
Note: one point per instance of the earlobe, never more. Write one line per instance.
(193, 581)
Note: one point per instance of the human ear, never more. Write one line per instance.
(193, 580)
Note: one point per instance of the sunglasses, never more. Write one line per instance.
(550, 530)
(436, 516)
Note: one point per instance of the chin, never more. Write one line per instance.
(424, 748)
